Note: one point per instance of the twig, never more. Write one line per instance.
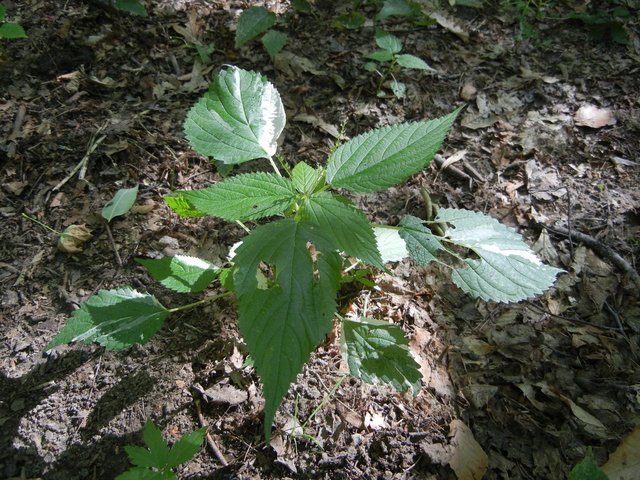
(600, 248)
(82, 165)
(212, 445)
(113, 244)
(455, 171)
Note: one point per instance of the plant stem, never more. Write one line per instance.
(46, 227)
(275, 167)
(325, 399)
(200, 302)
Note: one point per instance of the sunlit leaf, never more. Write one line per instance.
(506, 269)
(181, 272)
(238, 120)
(384, 157)
(115, 319)
(244, 197)
(411, 61)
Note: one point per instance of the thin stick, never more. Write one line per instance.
(113, 244)
(600, 248)
(212, 445)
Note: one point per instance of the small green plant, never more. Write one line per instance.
(131, 6)
(255, 21)
(10, 30)
(285, 274)
(156, 461)
(587, 469)
(392, 61)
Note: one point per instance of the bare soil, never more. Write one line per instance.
(523, 389)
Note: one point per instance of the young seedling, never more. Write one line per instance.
(255, 21)
(157, 461)
(10, 30)
(120, 204)
(285, 274)
(131, 6)
(391, 61)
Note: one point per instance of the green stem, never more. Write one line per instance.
(41, 224)
(325, 399)
(205, 300)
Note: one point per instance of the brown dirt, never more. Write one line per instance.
(534, 383)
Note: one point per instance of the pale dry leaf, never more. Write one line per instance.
(450, 25)
(468, 460)
(73, 237)
(226, 394)
(456, 157)
(374, 421)
(591, 116)
(624, 462)
(468, 91)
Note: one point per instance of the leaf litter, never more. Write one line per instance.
(520, 383)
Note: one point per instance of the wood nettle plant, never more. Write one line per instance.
(285, 274)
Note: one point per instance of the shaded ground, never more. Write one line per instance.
(530, 385)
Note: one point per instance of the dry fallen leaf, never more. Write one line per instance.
(73, 237)
(468, 459)
(594, 117)
(624, 463)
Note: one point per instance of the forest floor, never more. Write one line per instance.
(521, 390)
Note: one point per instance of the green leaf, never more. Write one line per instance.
(388, 41)
(411, 61)
(186, 448)
(131, 6)
(145, 474)
(346, 226)
(352, 20)
(382, 158)
(3, 12)
(238, 120)
(380, 56)
(284, 321)
(12, 30)
(307, 179)
(506, 269)
(273, 42)
(399, 89)
(303, 6)
(377, 353)
(253, 22)
(422, 245)
(390, 244)
(400, 8)
(370, 67)
(248, 196)
(140, 456)
(181, 272)
(115, 319)
(587, 469)
(158, 448)
(120, 204)
(179, 204)
(204, 52)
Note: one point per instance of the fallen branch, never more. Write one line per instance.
(600, 248)
(212, 444)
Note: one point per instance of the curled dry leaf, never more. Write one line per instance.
(73, 237)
